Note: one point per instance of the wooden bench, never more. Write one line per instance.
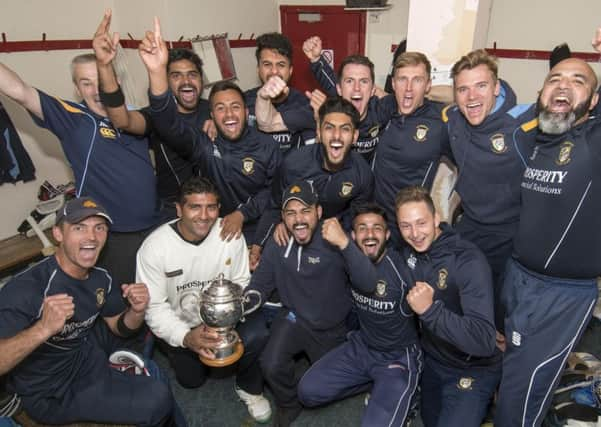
(18, 251)
(24, 419)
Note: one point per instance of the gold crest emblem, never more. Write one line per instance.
(420, 133)
(347, 189)
(89, 204)
(248, 166)
(374, 131)
(99, 297)
(565, 149)
(108, 133)
(465, 383)
(228, 261)
(497, 141)
(442, 278)
(381, 288)
(295, 189)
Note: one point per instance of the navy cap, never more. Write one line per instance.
(78, 209)
(301, 191)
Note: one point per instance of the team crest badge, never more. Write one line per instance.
(108, 133)
(99, 297)
(411, 261)
(465, 383)
(420, 133)
(442, 278)
(374, 131)
(248, 166)
(89, 204)
(564, 153)
(497, 141)
(381, 288)
(347, 189)
(228, 261)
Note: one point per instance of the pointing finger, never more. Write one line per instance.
(157, 29)
(105, 23)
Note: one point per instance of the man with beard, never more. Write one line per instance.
(274, 58)
(240, 162)
(54, 347)
(452, 294)
(340, 176)
(414, 140)
(184, 69)
(491, 139)
(551, 283)
(311, 278)
(383, 356)
(176, 261)
(356, 85)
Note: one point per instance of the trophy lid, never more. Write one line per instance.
(222, 289)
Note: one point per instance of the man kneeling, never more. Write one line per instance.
(55, 352)
(383, 355)
(181, 257)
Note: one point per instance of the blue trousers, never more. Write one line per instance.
(104, 395)
(456, 397)
(496, 242)
(352, 368)
(190, 372)
(545, 317)
(288, 338)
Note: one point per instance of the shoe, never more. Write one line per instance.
(284, 415)
(258, 406)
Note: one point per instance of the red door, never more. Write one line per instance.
(341, 31)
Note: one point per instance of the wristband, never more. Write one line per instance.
(123, 329)
(112, 100)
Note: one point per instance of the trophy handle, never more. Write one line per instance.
(246, 298)
(191, 294)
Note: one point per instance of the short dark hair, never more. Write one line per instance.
(337, 104)
(180, 54)
(223, 86)
(414, 193)
(368, 208)
(359, 60)
(196, 185)
(275, 41)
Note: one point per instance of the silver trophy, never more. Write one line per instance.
(220, 305)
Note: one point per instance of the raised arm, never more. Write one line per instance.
(55, 312)
(154, 54)
(130, 321)
(361, 269)
(320, 68)
(179, 135)
(268, 118)
(12, 86)
(105, 47)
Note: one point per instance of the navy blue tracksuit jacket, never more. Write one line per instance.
(241, 170)
(338, 191)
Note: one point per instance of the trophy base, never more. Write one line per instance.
(238, 350)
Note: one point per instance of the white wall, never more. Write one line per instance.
(540, 25)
